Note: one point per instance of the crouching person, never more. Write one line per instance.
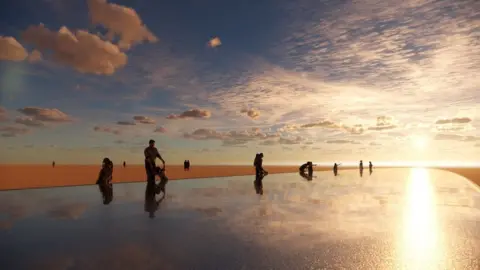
(104, 181)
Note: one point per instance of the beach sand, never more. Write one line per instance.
(36, 176)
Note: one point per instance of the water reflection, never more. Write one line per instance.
(421, 248)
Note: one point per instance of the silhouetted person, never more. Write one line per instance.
(151, 154)
(53, 164)
(335, 169)
(188, 165)
(104, 180)
(308, 167)
(124, 164)
(151, 202)
(258, 163)
(185, 165)
(370, 167)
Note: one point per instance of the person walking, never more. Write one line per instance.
(151, 154)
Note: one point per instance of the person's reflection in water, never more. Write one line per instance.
(104, 181)
(258, 184)
(309, 168)
(361, 168)
(152, 189)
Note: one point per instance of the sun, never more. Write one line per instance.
(419, 142)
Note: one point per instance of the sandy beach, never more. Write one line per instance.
(37, 176)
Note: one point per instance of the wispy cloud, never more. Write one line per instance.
(193, 113)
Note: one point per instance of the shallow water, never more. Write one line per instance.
(392, 219)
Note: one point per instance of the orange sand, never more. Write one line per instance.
(35, 176)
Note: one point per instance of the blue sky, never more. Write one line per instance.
(217, 81)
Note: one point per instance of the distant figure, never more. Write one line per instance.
(258, 163)
(53, 164)
(185, 165)
(151, 154)
(361, 168)
(335, 169)
(370, 167)
(309, 167)
(188, 165)
(104, 181)
(124, 164)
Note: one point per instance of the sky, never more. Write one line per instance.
(217, 81)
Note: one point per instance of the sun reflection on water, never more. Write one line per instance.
(421, 246)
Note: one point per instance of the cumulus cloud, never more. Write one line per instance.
(214, 42)
(160, 130)
(11, 50)
(83, 51)
(45, 114)
(144, 120)
(453, 124)
(13, 131)
(384, 123)
(126, 123)
(34, 56)
(121, 21)
(193, 113)
(252, 113)
(29, 121)
(106, 130)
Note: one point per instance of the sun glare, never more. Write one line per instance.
(420, 246)
(419, 142)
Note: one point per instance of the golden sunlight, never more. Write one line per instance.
(421, 248)
(419, 142)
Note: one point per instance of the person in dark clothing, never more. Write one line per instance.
(104, 181)
(151, 154)
(370, 167)
(185, 165)
(309, 170)
(124, 164)
(258, 163)
(53, 164)
(361, 168)
(335, 169)
(188, 165)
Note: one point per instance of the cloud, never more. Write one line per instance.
(214, 42)
(160, 130)
(144, 120)
(12, 131)
(34, 56)
(252, 113)
(83, 51)
(290, 141)
(121, 21)
(231, 138)
(11, 50)
(106, 130)
(453, 124)
(384, 123)
(194, 113)
(3, 114)
(29, 121)
(375, 144)
(455, 137)
(342, 142)
(126, 123)
(45, 114)
(326, 124)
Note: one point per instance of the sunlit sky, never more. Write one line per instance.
(217, 81)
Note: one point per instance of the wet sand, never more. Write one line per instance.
(37, 176)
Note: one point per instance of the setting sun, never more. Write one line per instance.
(419, 142)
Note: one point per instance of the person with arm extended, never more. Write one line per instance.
(151, 154)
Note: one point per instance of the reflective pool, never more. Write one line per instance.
(392, 219)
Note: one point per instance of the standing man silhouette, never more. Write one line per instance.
(151, 154)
